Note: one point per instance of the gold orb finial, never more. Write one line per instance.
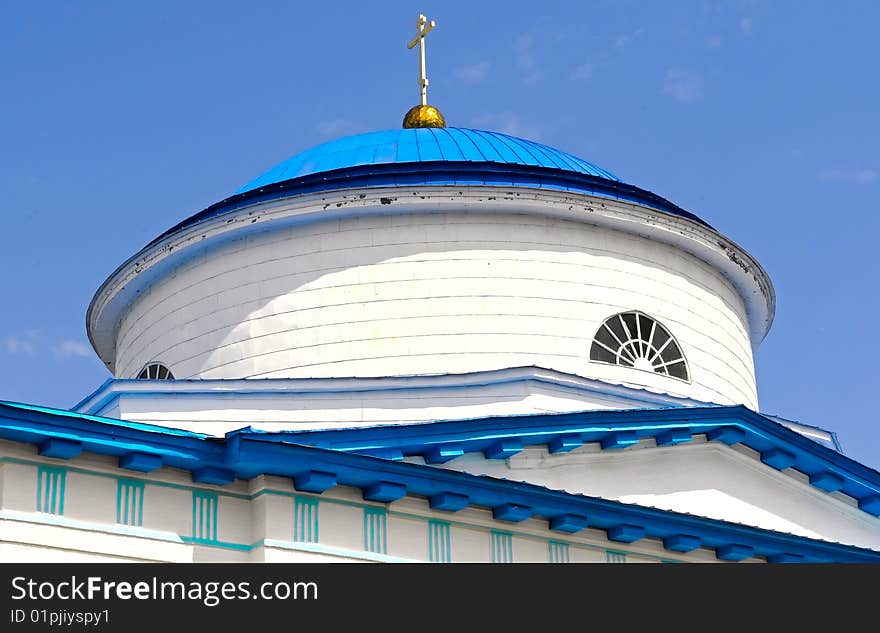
(423, 116)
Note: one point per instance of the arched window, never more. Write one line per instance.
(633, 339)
(155, 371)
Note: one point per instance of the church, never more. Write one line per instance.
(438, 344)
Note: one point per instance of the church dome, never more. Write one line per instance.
(438, 251)
(425, 145)
(434, 156)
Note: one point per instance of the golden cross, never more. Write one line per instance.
(424, 27)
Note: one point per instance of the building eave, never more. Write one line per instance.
(211, 461)
(293, 387)
(777, 446)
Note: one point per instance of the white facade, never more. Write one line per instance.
(407, 304)
(442, 283)
(262, 520)
(87, 508)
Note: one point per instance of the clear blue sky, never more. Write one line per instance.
(118, 119)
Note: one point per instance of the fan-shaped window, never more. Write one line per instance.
(155, 371)
(633, 339)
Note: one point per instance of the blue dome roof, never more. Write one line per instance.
(433, 156)
(421, 145)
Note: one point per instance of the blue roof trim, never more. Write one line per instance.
(444, 173)
(242, 456)
(612, 429)
(113, 388)
(140, 426)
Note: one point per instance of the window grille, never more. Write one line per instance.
(633, 339)
(155, 371)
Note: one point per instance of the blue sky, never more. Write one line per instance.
(117, 120)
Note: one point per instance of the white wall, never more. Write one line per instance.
(436, 293)
(216, 407)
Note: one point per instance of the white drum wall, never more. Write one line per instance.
(436, 293)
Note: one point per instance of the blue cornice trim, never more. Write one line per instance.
(107, 384)
(778, 446)
(624, 521)
(73, 417)
(836, 442)
(433, 173)
(248, 455)
(112, 389)
(134, 443)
